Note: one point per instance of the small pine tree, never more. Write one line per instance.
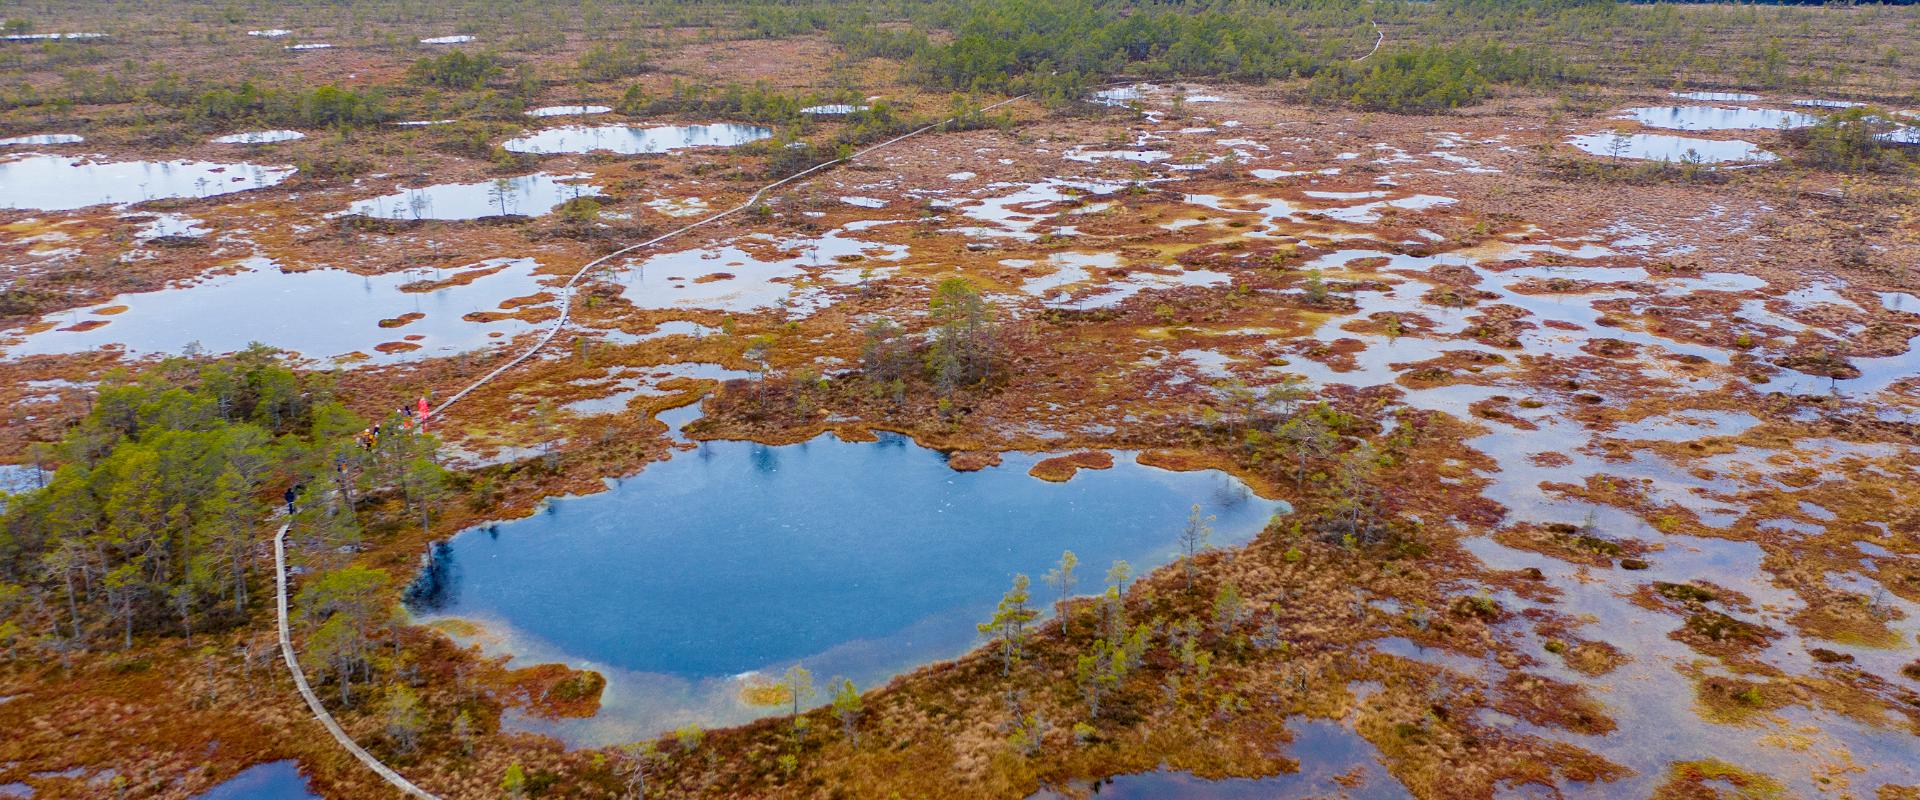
(1009, 623)
(1193, 539)
(846, 707)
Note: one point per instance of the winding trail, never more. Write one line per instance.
(560, 323)
(306, 690)
(1376, 42)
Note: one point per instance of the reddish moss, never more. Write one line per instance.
(1062, 468)
(555, 691)
(972, 460)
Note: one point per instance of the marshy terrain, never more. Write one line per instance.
(1000, 399)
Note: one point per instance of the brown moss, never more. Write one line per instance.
(1062, 468)
(1544, 701)
(972, 460)
(1715, 633)
(1692, 780)
(1594, 658)
(1734, 700)
(555, 691)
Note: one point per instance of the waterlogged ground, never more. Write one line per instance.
(1671, 425)
(1658, 404)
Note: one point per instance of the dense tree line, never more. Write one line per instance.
(156, 514)
(325, 106)
(756, 102)
(1435, 78)
(998, 44)
(1004, 45)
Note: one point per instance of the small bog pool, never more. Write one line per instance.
(64, 183)
(1661, 147)
(634, 140)
(1715, 118)
(530, 195)
(734, 561)
(274, 780)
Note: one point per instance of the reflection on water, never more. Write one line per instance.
(319, 313)
(259, 137)
(568, 111)
(1717, 97)
(632, 140)
(531, 195)
(1334, 762)
(44, 139)
(63, 183)
(1661, 147)
(744, 276)
(1714, 118)
(862, 560)
(274, 780)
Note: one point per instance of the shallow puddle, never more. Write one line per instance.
(1716, 97)
(1661, 147)
(1113, 292)
(259, 137)
(1019, 214)
(43, 139)
(1068, 269)
(171, 225)
(64, 183)
(529, 195)
(39, 37)
(274, 780)
(838, 556)
(1334, 762)
(1686, 426)
(568, 111)
(1142, 156)
(679, 206)
(634, 140)
(1906, 136)
(636, 382)
(321, 314)
(1715, 118)
(735, 277)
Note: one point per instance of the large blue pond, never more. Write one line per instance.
(274, 780)
(736, 560)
